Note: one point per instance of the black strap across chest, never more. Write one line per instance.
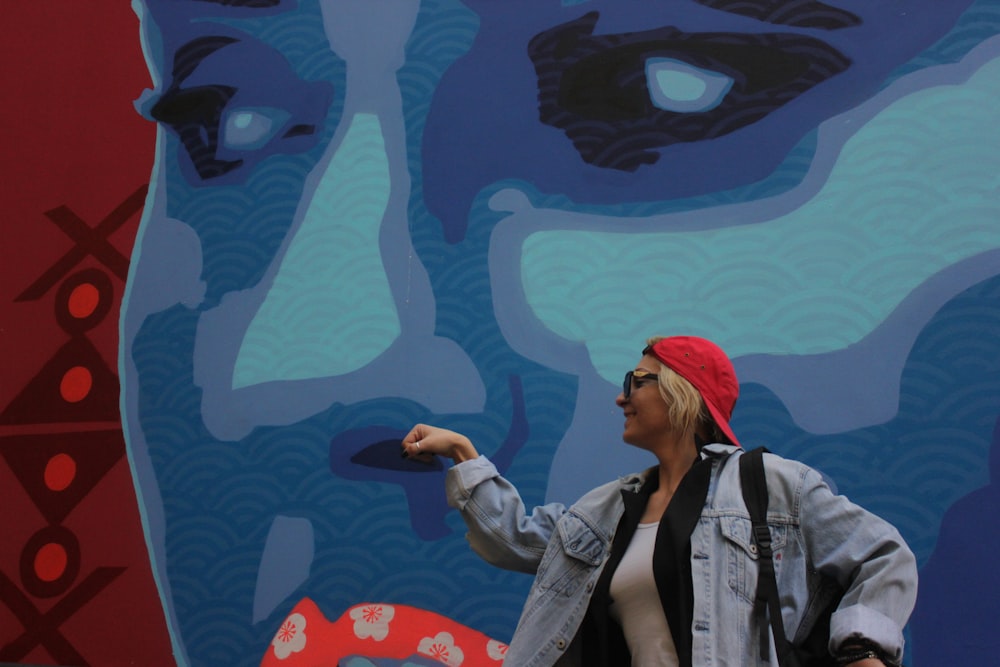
(767, 603)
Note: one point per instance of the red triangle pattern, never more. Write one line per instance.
(57, 470)
(76, 385)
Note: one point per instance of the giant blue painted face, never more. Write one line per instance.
(360, 217)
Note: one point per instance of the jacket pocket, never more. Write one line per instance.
(742, 554)
(571, 557)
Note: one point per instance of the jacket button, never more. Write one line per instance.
(590, 586)
(561, 644)
(753, 549)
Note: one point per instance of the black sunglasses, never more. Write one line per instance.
(639, 376)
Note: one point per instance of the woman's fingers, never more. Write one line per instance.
(415, 444)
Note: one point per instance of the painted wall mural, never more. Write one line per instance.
(357, 215)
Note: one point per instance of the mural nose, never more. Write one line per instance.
(345, 298)
(330, 309)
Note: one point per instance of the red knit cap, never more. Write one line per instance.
(703, 363)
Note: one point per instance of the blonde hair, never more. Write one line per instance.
(687, 409)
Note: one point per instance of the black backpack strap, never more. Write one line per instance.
(767, 603)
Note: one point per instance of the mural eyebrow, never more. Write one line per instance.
(190, 55)
(797, 13)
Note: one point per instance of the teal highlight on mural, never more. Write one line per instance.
(330, 310)
(913, 192)
(677, 86)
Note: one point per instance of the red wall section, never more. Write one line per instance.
(75, 581)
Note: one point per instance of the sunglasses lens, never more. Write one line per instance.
(627, 385)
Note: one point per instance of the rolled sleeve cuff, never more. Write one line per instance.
(861, 621)
(464, 477)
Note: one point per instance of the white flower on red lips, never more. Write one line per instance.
(496, 650)
(372, 620)
(442, 648)
(291, 636)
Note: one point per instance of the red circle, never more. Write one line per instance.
(60, 472)
(50, 561)
(83, 300)
(76, 384)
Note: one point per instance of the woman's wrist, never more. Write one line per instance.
(865, 662)
(424, 442)
(863, 653)
(463, 450)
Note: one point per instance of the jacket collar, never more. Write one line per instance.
(634, 482)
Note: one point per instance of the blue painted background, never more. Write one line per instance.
(368, 214)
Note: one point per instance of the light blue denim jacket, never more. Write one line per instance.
(813, 531)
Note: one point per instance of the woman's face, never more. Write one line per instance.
(647, 417)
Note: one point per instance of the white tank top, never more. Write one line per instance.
(636, 603)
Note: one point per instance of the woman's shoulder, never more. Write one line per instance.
(777, 463)
(790, 481)
(630, 482)
(608, 494)
(787, 479)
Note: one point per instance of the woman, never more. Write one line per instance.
(659, 568)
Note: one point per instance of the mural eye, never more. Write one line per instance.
(194, 115)
(677, 86)
(621, 97)
(247, 129)
(227, 116)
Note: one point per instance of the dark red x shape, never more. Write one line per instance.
(43, 629)
(89, 241)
